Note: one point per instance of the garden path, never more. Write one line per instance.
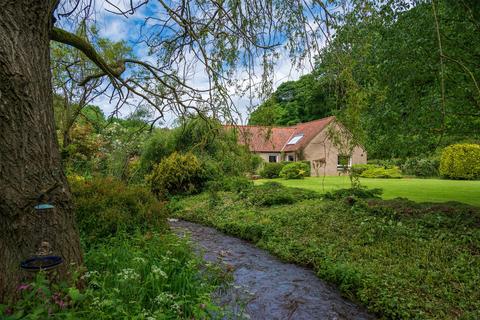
(265, 287)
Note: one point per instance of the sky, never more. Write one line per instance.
(117, 27)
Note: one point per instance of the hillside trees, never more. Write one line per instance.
(414, 68)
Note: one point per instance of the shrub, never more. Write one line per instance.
(461, 161)
(255, 163)
(236, 184)
(362, 193)
(271, 170)
(381, 172)
(105, 207)
(421, 167)
(358, 169)
(177, 174)
(295, 170)
(274, 193)
(387, 163)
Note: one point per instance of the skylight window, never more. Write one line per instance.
(295, 139)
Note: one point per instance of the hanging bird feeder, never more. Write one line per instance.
(44, 259)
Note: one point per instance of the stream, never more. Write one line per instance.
(263, 286)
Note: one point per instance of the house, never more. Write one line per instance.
(323, 142)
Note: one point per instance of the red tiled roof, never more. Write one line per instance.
(275, 139)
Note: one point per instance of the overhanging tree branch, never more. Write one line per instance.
(113, 71)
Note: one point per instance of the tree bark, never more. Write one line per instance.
(30, 166)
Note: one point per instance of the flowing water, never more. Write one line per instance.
(265, 287)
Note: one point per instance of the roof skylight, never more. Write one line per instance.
(295, 139)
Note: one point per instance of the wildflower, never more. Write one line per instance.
(23, 287)
(164, 297)
(139, 259)
(90, 274)
(157, 271)
(128, 274)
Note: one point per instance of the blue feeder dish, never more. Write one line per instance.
(41, 263)
(44, 206)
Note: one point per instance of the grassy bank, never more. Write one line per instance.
(400, 259)
(420, 190)
(135, 267)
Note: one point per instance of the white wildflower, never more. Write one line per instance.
(139, 260)
(128, 274)
(164, 298)
(157, 271)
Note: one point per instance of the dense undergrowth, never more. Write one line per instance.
(401, 259)
(136, 268)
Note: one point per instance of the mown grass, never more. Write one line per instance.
(420, 190)
(400, 259)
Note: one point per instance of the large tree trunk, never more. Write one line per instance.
(29, 157)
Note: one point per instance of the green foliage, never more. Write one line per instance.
(274, 193)
(130, 276)
(177, 174)
(157, 271)
(294, 102)
(461, 161)
(271, 170)
(361, 193)
(106, 207)
(358, 169)
(295, 170)
(158, 146)
(207, 139)
(381, 172)
(402, 260)
(421, 167)
(255, 163)
(236, 184)
(137, 268)
(385, 57)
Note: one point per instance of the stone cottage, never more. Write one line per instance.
(323, 142)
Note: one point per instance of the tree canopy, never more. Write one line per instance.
(413, 71)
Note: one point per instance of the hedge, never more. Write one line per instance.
(461, 161)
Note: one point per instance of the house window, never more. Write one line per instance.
(343, 162)
(295, 139)
(290, 158)
(272, 158)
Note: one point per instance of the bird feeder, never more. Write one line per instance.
(43, 258)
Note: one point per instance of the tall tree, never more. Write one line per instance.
(30, 166)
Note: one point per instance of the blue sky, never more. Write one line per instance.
(117, 28)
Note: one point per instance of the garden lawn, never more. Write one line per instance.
(419, 190)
